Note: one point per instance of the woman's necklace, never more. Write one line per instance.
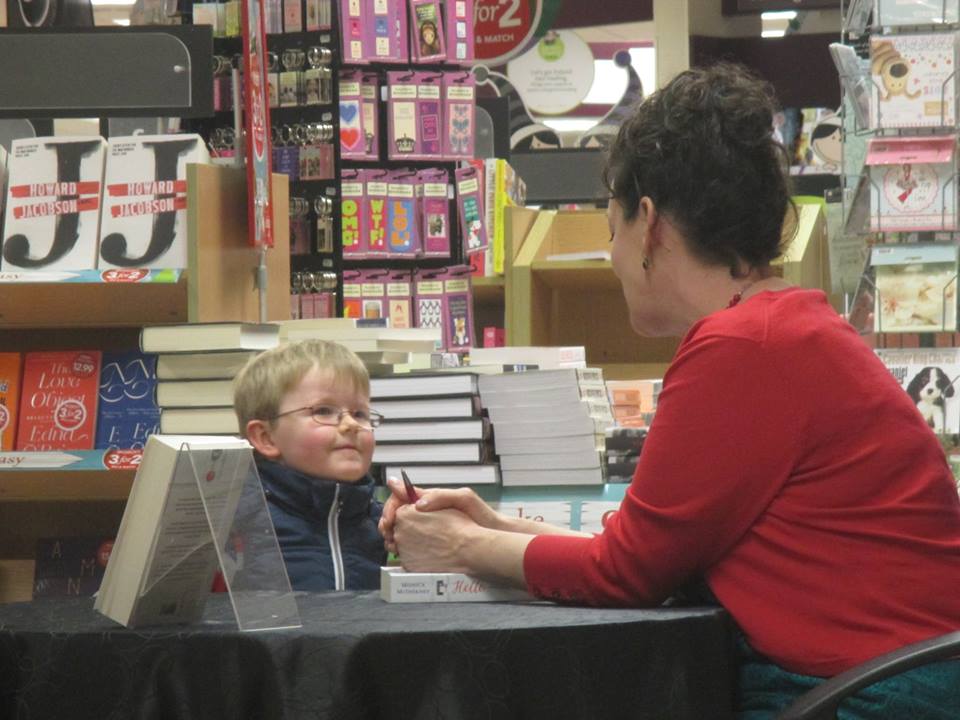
(738, 296)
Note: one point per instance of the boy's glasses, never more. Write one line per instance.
(333, 415)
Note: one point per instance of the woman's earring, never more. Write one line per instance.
(646, 263)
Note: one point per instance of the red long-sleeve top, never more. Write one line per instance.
(787, 468)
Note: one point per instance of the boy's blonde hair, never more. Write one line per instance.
(260, 386)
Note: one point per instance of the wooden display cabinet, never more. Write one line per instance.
(580, 302)
(218, 285)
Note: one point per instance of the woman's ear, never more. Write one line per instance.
(258, 435)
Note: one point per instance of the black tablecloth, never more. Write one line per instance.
(358, 657)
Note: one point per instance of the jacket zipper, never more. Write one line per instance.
(333, 532)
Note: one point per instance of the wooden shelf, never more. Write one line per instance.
(488, 289)
(65, 485)
(576, 275)
(87, 305)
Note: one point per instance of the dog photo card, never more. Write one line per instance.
(914, 80)
(929, 377)
(457, 309)
(916, 287)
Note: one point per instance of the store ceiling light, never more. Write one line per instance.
(779, 15)
(773, 33)
(125, 3)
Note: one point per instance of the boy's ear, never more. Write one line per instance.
(258, 435)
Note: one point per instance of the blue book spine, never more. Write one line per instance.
(128, 411)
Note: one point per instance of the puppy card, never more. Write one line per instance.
(914, 80)
(916, 287)
(929, 377)
(912, 183)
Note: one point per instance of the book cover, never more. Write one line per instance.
(127, 412)
(163, 560)
(58, 405)
(551, 512)
(435, 430)
(70, 566)
(539, 477)
(144, 221)
(430, 452)
(52, 218)
(398, 585)
(929, 377)
(465, 406)
(11, 367)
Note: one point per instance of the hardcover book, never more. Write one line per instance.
(70, 566)
(202, 366)
(200, 421)
(144, 221)
(544, 357)
(398, 585)
(52, 218)
(127, 412)
(423, 384)
(456, 475)
(430, 452)
(164, 559)
(194, 393)
(58, 406)
(10, 374)
(198, 337)
(465, 406)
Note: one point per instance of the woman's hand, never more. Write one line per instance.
(463, 499)
(432, 541)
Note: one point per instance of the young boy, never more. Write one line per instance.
(305, 408)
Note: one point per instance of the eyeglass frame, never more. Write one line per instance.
(373, 422)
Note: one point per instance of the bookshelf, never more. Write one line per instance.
(558, 302)
(52, 495)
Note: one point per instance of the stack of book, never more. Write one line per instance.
(432, 429)
(544, 358)
(633, 402)
(548, 425)
(623, 445)
(196, 364)
(383, 349)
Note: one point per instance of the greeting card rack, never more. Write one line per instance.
(896, 63)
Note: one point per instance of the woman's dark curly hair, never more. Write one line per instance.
(702, 148)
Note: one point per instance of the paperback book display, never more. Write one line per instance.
(196, 506)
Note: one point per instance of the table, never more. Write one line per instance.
(359, 657)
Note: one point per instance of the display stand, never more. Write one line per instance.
(213, 515)
(246, 545)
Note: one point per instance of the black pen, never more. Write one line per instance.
(412, 496)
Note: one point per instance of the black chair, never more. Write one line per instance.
(822, 702)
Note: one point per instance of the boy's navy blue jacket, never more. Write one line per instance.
(327, 530)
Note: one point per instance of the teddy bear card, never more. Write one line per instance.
(914, 80)
(916, 287)
(912, 183)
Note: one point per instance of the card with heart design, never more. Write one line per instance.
(352, 143)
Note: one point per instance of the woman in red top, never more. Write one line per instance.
(785, 467)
